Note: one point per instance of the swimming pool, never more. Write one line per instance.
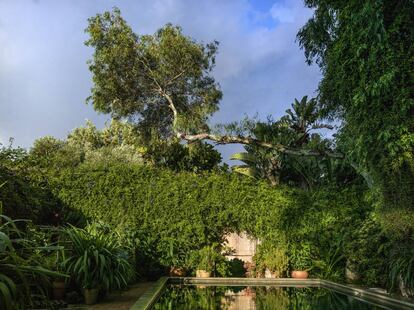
(244, 293)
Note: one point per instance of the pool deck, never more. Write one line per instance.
(150, 297)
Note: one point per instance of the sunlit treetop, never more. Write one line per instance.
(139, 76)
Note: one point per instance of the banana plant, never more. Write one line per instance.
(250, 165)
(292, 130)
(264, 167)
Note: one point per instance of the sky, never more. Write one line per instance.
(44, 78)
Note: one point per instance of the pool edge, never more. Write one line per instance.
(365, 294)
(150, 297)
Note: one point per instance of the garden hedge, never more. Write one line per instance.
(170, 214)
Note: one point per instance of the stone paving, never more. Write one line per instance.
(118, 300)
(122, 300)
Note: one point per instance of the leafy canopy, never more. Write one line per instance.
(134, 76)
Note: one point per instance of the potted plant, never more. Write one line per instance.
(59, 283)
(271, 260)
(204, 260)
(59, 288)
(96, 261)
(205, 264)
(175, 258)
(301, 261)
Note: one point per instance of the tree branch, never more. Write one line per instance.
(252, 141)
(172, 107)
(174, 78)
(240, 139)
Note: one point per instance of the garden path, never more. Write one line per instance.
(122, 300)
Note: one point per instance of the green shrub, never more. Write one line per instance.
(96, 260)
(273, 256)
(401, 269)
(210, 258)
(168, 214)
(22, 276)
(22, 198)
(165, 215)
(237, 268)
(367, 250)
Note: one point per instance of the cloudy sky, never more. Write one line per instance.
(44, 79)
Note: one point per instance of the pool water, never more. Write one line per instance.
(257, 297)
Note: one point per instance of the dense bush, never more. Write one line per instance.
(169, 215)
(180, 210)
(20, 196)
(164, 215)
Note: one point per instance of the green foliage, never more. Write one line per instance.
(210, 258)
(168, 215)
(273, 256)
(301, 257)
(236, 268)
(20, 195)
(22, 276)
(367, 249)
(295, 130)
(163, 209)
(196, 156)
(365, 51)
(331, 266)
(319, 221)
(133, 74)
(401, 268)
(119, 142)
(96, 260)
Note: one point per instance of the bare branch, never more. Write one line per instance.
(252, 141)
(175, 77)
(241, 139)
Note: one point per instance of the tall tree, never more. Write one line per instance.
(366, 52)
(163, 82)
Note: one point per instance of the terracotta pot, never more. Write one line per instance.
(300, 274)
(203, 274)
(59, 289)
(91, 295)
(177, 272)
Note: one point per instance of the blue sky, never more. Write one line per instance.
(44, 79)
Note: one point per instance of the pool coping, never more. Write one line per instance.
(150, 297)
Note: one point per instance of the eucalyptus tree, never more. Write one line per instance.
(162, 82)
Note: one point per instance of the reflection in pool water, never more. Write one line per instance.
(259, 297)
